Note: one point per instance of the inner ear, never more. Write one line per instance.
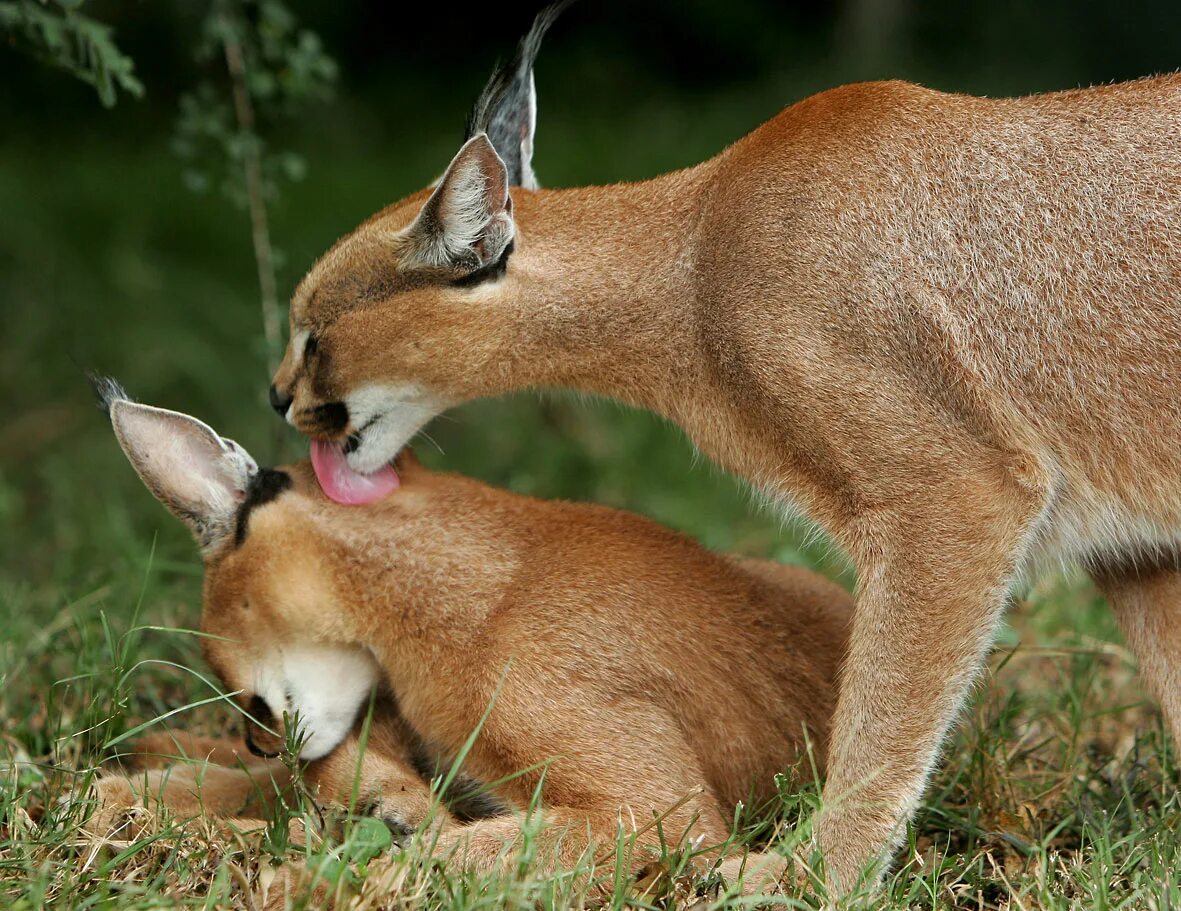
(467, 223)
(199, 476)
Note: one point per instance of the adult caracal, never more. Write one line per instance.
(635, 671)
(947, 327)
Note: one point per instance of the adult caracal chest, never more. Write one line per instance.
(948, 327)
(636, 673)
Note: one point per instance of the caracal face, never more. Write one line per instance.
(365, 332)
(270, 613)
(266, 598)
(376, 324)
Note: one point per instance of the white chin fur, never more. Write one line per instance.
(327, 685)
(391, 416)
(317, 746)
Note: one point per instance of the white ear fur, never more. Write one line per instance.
(528, 178)
(200, 477)
(467, 222)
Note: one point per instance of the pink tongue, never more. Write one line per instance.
(343, 485)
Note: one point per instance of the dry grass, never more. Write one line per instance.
(1058, 791)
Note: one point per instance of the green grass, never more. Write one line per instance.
(1057, 792)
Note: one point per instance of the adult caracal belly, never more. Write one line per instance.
(615, 665)
(946, 326)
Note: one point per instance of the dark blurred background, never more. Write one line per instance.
(108, 260)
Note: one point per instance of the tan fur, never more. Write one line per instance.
(947, 327)
(635, 672)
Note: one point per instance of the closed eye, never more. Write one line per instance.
(311, 346)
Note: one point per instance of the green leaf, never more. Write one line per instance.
(370, 837)
(56, 33)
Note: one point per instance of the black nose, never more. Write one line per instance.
(261, 713)
(279, 401)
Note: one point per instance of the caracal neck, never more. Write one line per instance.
(606, 287)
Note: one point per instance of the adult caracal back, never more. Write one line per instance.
(635, 671)
(948, 327)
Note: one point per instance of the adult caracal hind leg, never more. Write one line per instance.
(1146, 599)
(933, 587)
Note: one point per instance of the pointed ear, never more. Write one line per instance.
(200, 477)
(507, 108)
(467, 223)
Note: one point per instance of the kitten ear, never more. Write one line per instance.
(507, 108)
(200, 477)
(467, 223)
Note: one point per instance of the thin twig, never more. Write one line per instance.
(252, 174)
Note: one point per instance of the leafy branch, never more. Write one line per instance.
(57, 33)
(265, 69)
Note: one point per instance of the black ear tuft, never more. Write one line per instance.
(507, 108)
(107, 391)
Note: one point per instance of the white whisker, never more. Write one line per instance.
(430, 439)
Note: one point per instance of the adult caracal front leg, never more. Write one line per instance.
(932, 590)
